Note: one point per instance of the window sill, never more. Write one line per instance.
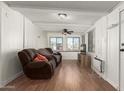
(68, 50)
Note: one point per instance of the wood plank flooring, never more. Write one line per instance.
(68, 76)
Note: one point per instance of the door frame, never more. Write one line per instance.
(120, 46)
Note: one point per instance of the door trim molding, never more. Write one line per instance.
(120, 47)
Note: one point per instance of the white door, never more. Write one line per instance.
(113, 56)
(122, 52)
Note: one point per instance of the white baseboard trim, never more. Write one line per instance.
(5, 82)
(100, 74)
(116, 86)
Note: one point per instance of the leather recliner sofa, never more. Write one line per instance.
(37, 70)
(57, 55)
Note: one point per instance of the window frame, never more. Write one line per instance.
(73, 43)
(56, 42)
(92, 50)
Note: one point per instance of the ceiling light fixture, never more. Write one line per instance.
(62, 15)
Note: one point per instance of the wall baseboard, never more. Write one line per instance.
(106, 79)
(5, 82)
(116, 86)
(69, 60)
(100, 74)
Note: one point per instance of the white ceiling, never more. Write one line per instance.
(81, 14)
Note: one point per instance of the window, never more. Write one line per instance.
(73, 43)
(56, 43)
(83, 39)
(91, 44)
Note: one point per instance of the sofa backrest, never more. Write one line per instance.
(27, 55)
(31, 53)
(24, 58)
(50, 50)
(44, 51)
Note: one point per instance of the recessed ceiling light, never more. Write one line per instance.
(62, 15)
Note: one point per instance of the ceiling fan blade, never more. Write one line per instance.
(71, 31)
(66, 31)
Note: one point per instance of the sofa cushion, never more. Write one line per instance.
(58, 58)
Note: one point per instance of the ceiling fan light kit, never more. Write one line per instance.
(62, 15)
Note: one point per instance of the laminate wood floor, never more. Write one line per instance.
(68, 76)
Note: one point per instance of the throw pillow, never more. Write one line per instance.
(40, 58)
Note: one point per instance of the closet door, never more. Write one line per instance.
(122, 51)
(113, 56)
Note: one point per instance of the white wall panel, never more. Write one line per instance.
(113, 56)
(12, 28)
(100, 44)
(69, 55)
(34, 36)
(122, 52)
(111, 66)
(11, 42)
(0, 46)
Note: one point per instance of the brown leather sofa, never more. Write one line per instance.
(37, 70)
(57, 55)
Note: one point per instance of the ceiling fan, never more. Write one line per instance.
(66, 31)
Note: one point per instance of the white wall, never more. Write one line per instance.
(121, 52)
(43, 39)
(107, 34)
(100, 44)
(113, 48)
(34, 36)
(107, 46)
(11, 42)
(14, 27)
(0, 48)
(113, 57)
(120, 7)
(110, 73)
(69, 55)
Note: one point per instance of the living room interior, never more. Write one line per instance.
(61, 45)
